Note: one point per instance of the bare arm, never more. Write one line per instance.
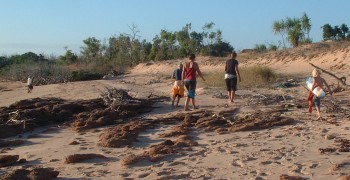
(329, 89)
(237, 72)
(173, 75)
(199, 71)
(183, 73)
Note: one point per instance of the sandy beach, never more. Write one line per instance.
(295, 149)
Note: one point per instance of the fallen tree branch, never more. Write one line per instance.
(342, 80)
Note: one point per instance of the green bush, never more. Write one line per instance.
(83, 75)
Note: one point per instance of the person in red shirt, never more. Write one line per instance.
(189, 73)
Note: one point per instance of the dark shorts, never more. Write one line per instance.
(317, 101)
(191, 88)
(231, 84)
(30, 86)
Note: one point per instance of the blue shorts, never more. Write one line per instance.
(317, 101)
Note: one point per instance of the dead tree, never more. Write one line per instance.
(341, 80)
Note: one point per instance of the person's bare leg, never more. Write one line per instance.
(194, 103)
(318, 109)
(229, 96)
(172, 103)
(186, 104)
(178, 100)
(232, 95)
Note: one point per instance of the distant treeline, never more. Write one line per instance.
(129, 50)
(119, 52)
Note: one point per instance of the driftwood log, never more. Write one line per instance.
(341, 80)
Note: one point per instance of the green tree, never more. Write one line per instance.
(221, 49)
(4, 61)
(69, 57)
(197, 40)
(146, 48)
(327, 30)
(118, 50)
(279, 27)
(344, 31)
(168, 47)
(260, 48)
(155, 51)
(295, 28)
(305, 25)
(184, 40)
(294, 31)
(92, 49)
(336, 33)
(206, 29)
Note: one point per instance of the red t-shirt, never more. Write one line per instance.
(190, 73)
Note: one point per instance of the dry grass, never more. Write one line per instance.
(252, 77)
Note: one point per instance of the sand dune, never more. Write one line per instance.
(304, 148)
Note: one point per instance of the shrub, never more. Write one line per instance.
(83, 75)
(260, 48)
(43, 73)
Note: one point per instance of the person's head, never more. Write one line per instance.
(180, 66)
(192, 57)
(316, 73)
(233, 55)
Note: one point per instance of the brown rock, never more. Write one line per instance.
(287, 177)
(74, 143)
(8, 160)
(76, 158)
(31, 174)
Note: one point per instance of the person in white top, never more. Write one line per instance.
(30, 84)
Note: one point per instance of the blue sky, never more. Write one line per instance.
(47, 26)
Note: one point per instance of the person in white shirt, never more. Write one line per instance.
(30, 84)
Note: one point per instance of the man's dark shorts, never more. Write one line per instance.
(30, 87)
(191, 88)
(231, 84)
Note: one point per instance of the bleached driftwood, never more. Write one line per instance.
(341, 80)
